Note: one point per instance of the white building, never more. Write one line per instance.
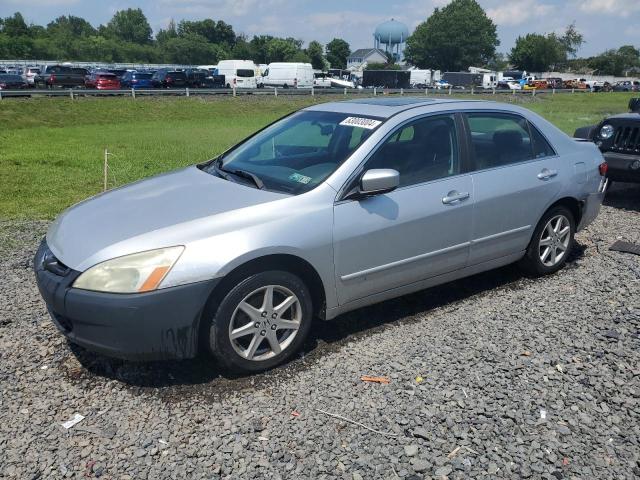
(363, 56)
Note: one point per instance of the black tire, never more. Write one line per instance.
(219, 341)
(285, 86)
(532, 262)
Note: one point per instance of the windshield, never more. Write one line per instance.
(299, 152)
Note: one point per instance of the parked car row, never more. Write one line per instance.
(66, 76)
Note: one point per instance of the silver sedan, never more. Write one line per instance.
(332, 208)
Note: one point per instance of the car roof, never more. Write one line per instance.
(382, 107)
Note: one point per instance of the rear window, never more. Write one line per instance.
(10, 78)
(34, 70)
(176, 75)
(142, 76)
(79, 71)
(58, 69)
(245, 73)
(107, 76)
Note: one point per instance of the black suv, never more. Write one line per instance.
(61, 76)
(199, 78)
(618, 137)
(169, 79)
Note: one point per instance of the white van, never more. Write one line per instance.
(238, 73)
(289, 75)
(420, 78)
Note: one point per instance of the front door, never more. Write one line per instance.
(420, 230)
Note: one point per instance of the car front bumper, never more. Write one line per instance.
(623, 168)
(158, 325)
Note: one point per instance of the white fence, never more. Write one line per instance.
(188, 92)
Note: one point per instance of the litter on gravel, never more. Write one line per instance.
(77, 418)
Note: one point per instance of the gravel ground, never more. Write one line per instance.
(520, 378)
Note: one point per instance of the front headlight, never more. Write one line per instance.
(607, 131)
(139, 272)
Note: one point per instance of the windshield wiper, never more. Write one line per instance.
(224, 173)
(251, 176)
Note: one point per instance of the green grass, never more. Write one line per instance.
(51, 150)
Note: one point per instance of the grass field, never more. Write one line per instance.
(51, 150)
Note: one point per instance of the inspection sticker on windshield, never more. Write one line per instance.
(368, 123)
(296, 177)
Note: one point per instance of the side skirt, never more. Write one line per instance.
(423, 284)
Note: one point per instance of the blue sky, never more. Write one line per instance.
(604, 23)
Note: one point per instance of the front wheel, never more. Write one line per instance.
(551, 243)
(261, 322)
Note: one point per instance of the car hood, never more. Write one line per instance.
(81, 233)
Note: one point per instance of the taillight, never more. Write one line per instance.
(3, 85)
(134, 81)
(603, 168)
(169, 79)
(235, 81)
(295, 82)
(52, 78)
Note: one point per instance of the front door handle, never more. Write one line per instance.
(546, 174)
(454, 197)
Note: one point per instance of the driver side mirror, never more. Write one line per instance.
(376, 182)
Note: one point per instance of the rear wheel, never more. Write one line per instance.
(551, 243)
(261, 322)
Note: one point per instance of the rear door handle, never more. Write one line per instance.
(546, 174)
(454, 197)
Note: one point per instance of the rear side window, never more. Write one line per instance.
(499, 139)
(541, 148)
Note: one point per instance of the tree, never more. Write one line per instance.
(315, 52)
(164, 35)
(281, 50)
(337, 52)
(243, 50)
(537, 53)
(214, 32)
(15, 26)
(572, 40)
(192, 49)
(453, 38)
(70, 26)
(616, 62)
(130, 25)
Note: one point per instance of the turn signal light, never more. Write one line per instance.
(603, 168)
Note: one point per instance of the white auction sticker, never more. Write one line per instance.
(368, 123)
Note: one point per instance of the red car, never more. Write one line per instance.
(102, 81)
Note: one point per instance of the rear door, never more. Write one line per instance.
(420, 230)
(516, 175)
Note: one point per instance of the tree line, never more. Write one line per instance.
(461, 34)
(128, 38)
(453, 38)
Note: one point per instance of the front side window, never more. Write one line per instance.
(297, 153)
(422, 151)
(499, 139)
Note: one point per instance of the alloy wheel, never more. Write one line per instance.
(265, 322)
(554, 241)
